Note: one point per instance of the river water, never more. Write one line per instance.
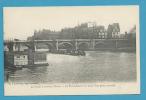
(96, 66)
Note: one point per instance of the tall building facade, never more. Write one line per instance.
(113, 30)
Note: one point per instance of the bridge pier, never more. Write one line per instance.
(14, 46)
(57, 45)
(93, 44)
(116, 42)
(35, 48)
(76, 44)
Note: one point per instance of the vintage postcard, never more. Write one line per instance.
(71, 50)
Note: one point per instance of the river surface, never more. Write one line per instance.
(96, 66)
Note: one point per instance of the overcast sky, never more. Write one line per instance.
(20, 22)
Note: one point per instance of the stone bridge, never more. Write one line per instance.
(85, 44)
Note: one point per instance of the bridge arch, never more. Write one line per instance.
(65, 45)
(99, 45)
(83, 45)
(50, 46)
(44, 47)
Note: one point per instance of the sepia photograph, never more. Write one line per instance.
(71, 50)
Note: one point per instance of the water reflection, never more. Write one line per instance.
(94, 67)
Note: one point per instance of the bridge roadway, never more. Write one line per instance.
(79, 40)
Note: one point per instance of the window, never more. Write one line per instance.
(17, 56)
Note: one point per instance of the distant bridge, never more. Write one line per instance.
(57, 44)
